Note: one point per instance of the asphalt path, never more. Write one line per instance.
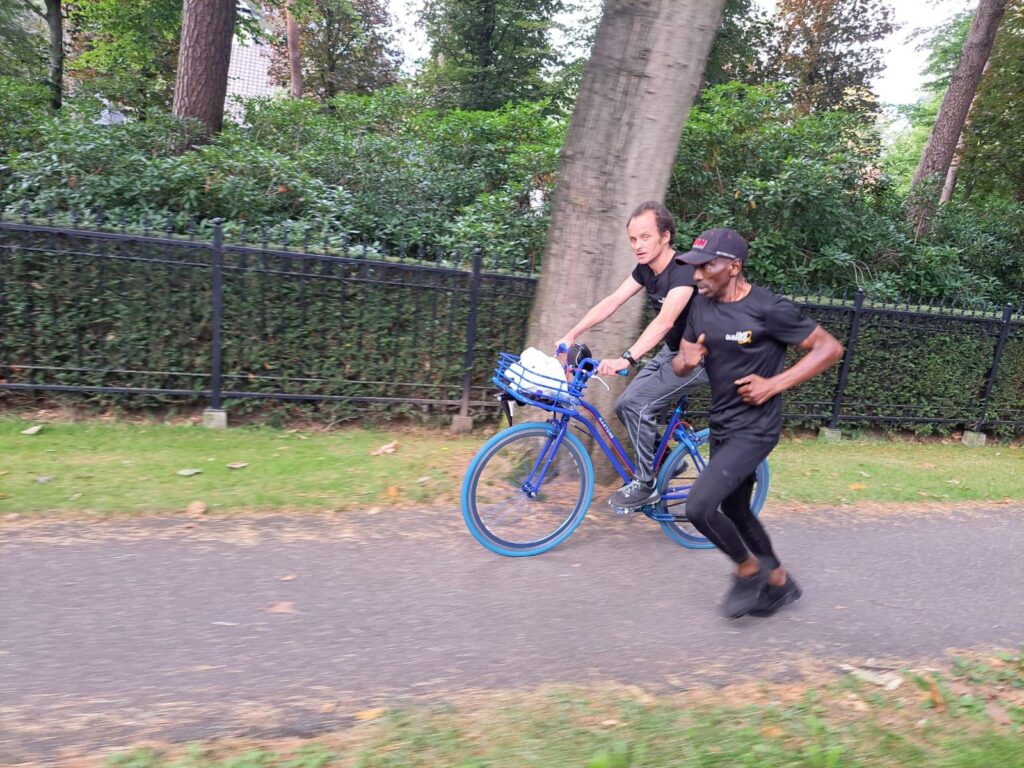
(178, 629)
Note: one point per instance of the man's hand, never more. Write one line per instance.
(612, 366)
(691, 354)
(568, 341)
(755, 390)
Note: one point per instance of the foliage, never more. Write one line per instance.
(125, 50)
(486, 54)
(22, 42)
(741, 44)
(993, 165)
(345, 46)
(829, 50)
(295, 161)
(809, 192)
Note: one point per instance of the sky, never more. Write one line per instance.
(900, 83)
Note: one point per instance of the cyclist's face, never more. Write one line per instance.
(645, 240)
(714, 277)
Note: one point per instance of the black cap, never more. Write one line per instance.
(714, 243)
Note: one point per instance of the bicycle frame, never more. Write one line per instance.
(598, 428)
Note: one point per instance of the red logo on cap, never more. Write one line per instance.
(700, 242)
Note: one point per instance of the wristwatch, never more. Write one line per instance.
(632, 360)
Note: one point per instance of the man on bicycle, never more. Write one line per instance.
(739, 333)
(669, 286)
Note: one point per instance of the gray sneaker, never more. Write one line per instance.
(635, 494)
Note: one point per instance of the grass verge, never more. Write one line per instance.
(111, 468)
(968, 715)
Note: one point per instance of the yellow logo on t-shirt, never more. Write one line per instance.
(740, 337)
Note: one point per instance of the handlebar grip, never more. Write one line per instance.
(623, 372)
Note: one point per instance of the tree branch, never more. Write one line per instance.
(34, 8)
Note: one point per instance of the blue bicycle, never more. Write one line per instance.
(529, 486)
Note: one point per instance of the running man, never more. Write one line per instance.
(739, 333)
(669, 285)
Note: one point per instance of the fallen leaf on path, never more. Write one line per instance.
(42, 479)
(238, 465)
(935, 695)
(424, 479)
(32, 430)
(289, 577)
(285, 606)
(392, 491)
(856, 486)
(189, 472)
(954, 482)
(197, 508)
(369, 714)
(386, 448)
(862, 473)
(330, 706)
(773, 732)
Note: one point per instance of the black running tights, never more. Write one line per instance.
(719, 501)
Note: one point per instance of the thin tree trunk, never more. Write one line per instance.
(961, 146)
(949, 124)
(644, 71)
(201, 86)
(55, 25)
(294, 52)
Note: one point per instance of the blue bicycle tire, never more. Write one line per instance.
(478, 486)
(681, 534)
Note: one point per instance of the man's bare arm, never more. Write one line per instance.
(602, 310)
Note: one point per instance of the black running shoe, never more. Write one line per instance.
(744, 593)
(773, 598)
(635, 494)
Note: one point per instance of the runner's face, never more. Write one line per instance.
(714, 277)
(645, 240)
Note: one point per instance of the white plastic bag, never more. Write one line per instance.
(538, 375)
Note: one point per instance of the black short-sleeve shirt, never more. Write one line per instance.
(744, 337)
(657, 287)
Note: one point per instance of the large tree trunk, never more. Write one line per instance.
(961, 147)
(949, 124)
(55, 25)
(207, 27)
(644, 71)
(294, 51)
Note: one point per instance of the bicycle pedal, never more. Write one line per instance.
(623, 511)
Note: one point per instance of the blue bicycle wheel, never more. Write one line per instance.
(498, 504)
(678, 473)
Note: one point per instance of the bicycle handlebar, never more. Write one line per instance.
(562, 350)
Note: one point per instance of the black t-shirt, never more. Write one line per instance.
(744, 337)
(657, 287)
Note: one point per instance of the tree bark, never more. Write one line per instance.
(200, 88)
(961, 146)
(646, 66)
(949, 124)
(55, 25)
(294, 52)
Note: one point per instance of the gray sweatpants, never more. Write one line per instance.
(655, 388)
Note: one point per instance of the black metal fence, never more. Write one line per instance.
(158, 317)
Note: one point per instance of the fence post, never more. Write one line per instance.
(1004, 331)
(215, 417)
(464, 422)
(844, 369)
